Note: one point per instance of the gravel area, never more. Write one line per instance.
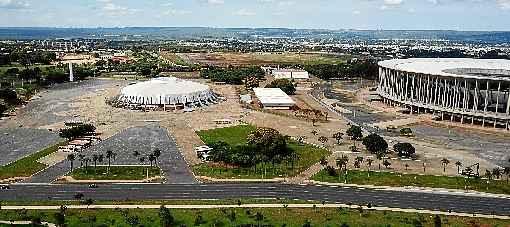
(142, 139)
(16, 143)
(490, 147)
(47, 106)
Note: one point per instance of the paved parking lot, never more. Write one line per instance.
(142, 139)
(16, 143)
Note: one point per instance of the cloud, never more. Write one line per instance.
(244, 12)
(356, 12)
(13, 4)
(504, 4)
(113, 10)
(393, 2)
(176, 12)
(216, 2)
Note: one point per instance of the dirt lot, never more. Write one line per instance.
(247, 59)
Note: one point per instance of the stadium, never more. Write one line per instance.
(472, 91)
(166, 92)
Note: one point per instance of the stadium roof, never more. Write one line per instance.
(493, 69)
(165, 90)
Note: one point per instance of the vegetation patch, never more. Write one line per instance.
(241, 217)
(400, 180)
(248, 152)
(115, 173)
(28, 166)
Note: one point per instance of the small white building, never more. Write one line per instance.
(274, 98)
(291, 74)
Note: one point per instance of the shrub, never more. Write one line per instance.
(375, 144)
(286, 85)
(404, 149)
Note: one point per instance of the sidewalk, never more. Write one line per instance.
(256, 206)
(448, 191)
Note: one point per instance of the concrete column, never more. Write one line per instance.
(428, 90)
(508, 103)
(497, 97)
(443, 104)
(436, 91)
(475, 106)
(413, 89)
(407, 86)
(486, 98)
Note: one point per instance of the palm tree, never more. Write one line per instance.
(458, 164)
(369, 164)
(496, 172)
(152, 158)
(324, 162)
(70, 158)
(136, 154)
(156, 153)
(445, 163)
(95, 157)
(81, 157)
(86, 160)
(109, 155)
(506, 171)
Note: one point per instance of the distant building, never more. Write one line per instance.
(273, 98)
(291, 74)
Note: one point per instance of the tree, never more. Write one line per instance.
(323, 161)
(406, 166)
(338, 137)
(506, 171)
(445, 163)
(165, 217)
(259, 217)
(404, 149)
(71, 158)
(458, 164)
(354, 132)
(286, 85)
(406, 132)
(60, 219)
(386, 163)
(110, 155)
(375, 144)
(156, 153)
(369, 163)
(152, 159)
(496, 172)
(437, 221)
(323, 140)
(270, 142)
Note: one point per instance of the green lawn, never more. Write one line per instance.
(248, 217)
(115, 173)
(28, 166)
(394, 179)
(233, 135)
(307, 156)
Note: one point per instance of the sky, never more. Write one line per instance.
(325, 14)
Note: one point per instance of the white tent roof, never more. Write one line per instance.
(165, 90)
(273, 97)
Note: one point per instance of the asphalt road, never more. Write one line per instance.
(345, 195)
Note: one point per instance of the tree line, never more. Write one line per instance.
(232, 75)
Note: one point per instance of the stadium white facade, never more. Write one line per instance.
(167, 91)
(465, 90)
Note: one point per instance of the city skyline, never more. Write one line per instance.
(322, 14)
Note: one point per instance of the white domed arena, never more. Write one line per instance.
(166, 92)
(474, 91)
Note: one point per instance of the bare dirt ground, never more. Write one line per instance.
(249, 59)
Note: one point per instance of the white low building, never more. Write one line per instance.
(274, 98)
(291, 74)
